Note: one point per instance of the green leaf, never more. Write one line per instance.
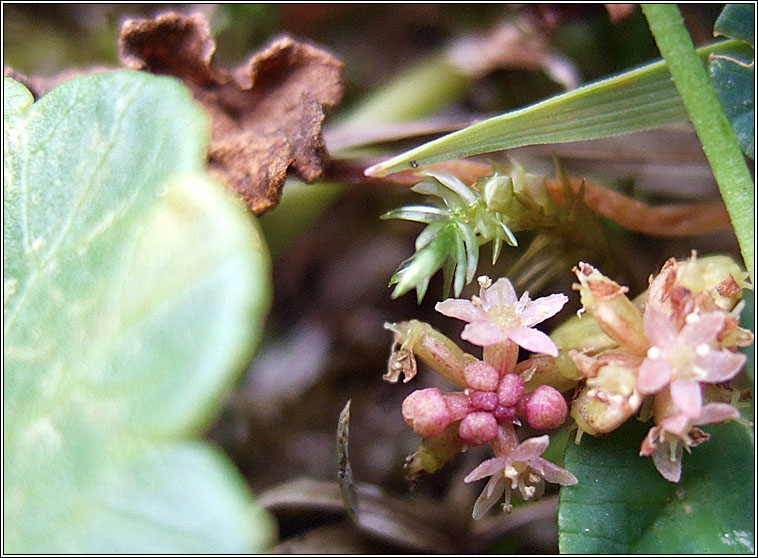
(733, 73)
(637, 100)
(747, 320)
(737, 21)
(135, 291)
(622, 505)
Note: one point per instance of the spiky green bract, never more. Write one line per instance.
(470, 216)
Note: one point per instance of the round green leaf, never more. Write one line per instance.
(134, 292)
(622, 505)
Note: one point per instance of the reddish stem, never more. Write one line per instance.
(684, 219)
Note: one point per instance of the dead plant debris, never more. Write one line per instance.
(267, 114)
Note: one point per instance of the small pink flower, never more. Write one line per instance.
(685, 358)
(664, 442)
(521, 469)
(497, 316)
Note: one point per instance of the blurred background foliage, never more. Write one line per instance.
(333, 257)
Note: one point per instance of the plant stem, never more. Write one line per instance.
(711, 124)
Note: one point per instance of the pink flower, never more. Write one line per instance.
(497, 316)
(665, 441)
(521, 469)
(685, 358)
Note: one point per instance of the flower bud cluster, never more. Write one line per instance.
(488, 402)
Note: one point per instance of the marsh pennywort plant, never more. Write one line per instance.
(669, 354)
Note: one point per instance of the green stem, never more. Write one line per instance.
(711, 124)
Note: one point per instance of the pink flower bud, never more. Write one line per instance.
(426, 412)
(504, 414)
(483, 400)
(459, 405)
(482, 376)
(510, 390)
(545, 408)
(478, 428)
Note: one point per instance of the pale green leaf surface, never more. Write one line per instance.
(135, 290)
(622, 505)
(637, 100)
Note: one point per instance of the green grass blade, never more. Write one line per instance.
(637, 100)
(711, 123)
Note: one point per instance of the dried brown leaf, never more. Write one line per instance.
(267, 114)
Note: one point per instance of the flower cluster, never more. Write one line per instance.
(494, 395)
(668, 346)
(671, 354)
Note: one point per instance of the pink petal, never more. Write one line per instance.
(523, 303)
(501, 293)
(461, 309)
(530, 448)
(533, 340)
(542, 309)
(687, 397)
(714, 413)
(703, 329)
(489, 496)
(484, 333)
(650, 442)
(654, 374)
(720, 365)
(659, 329)
(670, 469)
(678, 424)
(552, 473)
(486, 469)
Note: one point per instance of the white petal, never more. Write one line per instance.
(533, 340)
(687, 397)
(486, 469)
(714, 413)
(501, 293)
(678, 424)
(489, 496)
(530, 448)
(704, 328)
(720, 365)
(461, 309)
(484, 333)
(543, 308)
(659, 329)
(552, 473)
(671, 470)
(654, 374)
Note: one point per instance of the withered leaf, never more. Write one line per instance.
(267, 114)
